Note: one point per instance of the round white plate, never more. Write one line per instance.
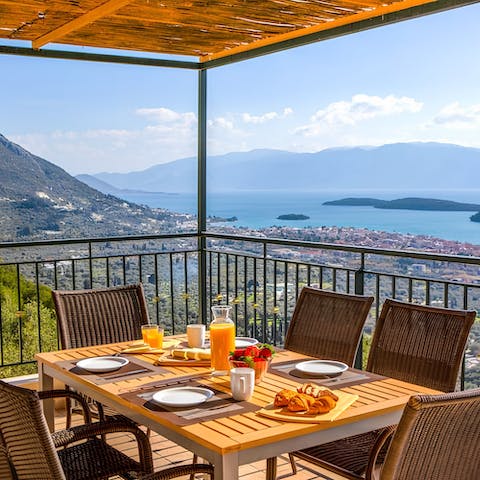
(182, 396)
(329, 368)
(102, 364)
(244, 342)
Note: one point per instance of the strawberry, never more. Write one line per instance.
(252, 351)
(265, 352)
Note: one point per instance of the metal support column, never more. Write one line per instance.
(202, 194)
(360, 290)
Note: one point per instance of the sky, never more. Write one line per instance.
(416, 80)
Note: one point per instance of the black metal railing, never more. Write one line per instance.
(260, 277)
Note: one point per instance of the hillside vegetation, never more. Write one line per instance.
(40, 200)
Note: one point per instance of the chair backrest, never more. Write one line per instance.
(27, 441)
(94, 317)
(438, 437)
(327, 324)
(420, 344)
(6, 472)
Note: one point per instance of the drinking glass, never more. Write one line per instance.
(149, 333)
(156, 341)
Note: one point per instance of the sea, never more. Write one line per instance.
(257, 209)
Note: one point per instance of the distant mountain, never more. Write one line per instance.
(40, 200)
(105, 187)
(409, 166)
(412, 203)
(97, 184)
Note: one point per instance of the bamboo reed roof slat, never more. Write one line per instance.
(208, 29)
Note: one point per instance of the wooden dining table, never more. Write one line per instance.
(223, 431)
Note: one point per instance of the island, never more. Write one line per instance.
(475, 218)
(411, 203)
(293, 216)
(215, 219)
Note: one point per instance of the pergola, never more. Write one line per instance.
(209, 33)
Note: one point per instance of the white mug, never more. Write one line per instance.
(196, 335)
(242, 382)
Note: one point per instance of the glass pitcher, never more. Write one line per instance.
(222, 337)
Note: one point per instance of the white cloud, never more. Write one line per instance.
(456, 116)
(160, 114)
(361, 107)
(168, 136)
(221, 122)
(266, 117)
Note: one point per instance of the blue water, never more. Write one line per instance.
(256, 209)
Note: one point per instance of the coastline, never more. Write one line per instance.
(258, 211)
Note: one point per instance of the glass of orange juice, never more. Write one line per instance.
(149, 332)
(156, 341)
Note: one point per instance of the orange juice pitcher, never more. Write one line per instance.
(222, 337)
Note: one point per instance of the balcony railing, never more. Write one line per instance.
(260, 277)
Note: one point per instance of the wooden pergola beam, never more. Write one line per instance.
(91, 16)
(304, 32)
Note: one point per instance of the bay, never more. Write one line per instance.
(257, 209)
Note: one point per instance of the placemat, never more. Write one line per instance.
(134, 369)
(220, 405)
(351, 377)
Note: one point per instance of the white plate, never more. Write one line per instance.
(328, 368)
(182, 396)
(102, 364)
(244, 342)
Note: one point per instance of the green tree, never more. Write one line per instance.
(27, 322)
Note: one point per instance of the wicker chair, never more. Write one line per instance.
(414, 343)
(87, 318)
(438, 437)
(93, 317)
(327, 324)
(105, 315)
(5, 470)
(31, 452)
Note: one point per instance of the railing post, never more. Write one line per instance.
(202, 195)
(359, 277)
(359, 290)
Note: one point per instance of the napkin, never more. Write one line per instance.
(139, 347)
(191, 353)
(192, 357)
(142, 349)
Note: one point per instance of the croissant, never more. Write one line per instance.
(322, 405)
(316, 391)
(283, 397)
(300, 402)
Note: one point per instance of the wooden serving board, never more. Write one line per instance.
(281, 413)
(167, 361)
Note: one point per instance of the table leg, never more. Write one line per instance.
(226, 467)
(271, 473)
(46, 383)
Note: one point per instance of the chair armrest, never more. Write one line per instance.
(383, 440)
(47, 394)
(179, 471)
(113, 424)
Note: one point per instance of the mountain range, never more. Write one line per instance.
(407, 166)
(40, 200)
